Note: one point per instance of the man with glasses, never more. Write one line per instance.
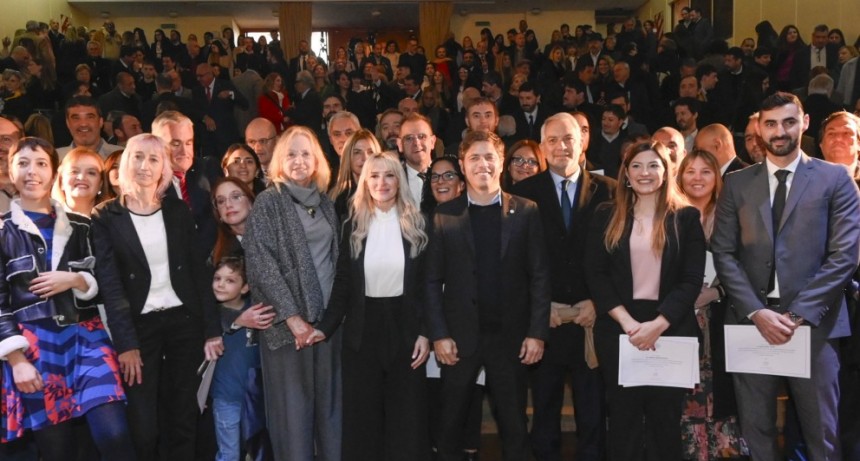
(261, 135)
(416, 142)
(216, 99)
(567, 196)
(10, 133)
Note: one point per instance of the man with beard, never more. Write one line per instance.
(686, 117)
(84, 120)
(9, 135)
(786, 242)
(388, 129)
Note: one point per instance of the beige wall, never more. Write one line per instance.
(16, 13)
(805, 14)
(543, 24)
(195, 25)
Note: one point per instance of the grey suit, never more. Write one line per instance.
(816, 250)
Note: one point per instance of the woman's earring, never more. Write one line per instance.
(627, 183)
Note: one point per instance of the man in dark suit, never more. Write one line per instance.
(216, 99)
(376, 58)
(190, 183)
(307, 106)
(818, 53)
(123, 97)
(786, 242)
(718, 140)
(487, 251)
(531, 115)
(300, 62)
(165, 99)
(567, 196)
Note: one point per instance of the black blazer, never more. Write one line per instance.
(566, 249)
(524, 274)
(123, 272)
(682, 271)
(347, 296)
(307, 110)
(523, 124)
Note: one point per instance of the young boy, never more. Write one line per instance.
(236, 373)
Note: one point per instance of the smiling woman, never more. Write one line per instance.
(241, 162)
(79, 186)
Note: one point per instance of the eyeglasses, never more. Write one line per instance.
(447, 176)
(521, 162)
(252, 142)
(235, 197)
(410, 138)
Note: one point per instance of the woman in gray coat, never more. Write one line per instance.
(291, 247)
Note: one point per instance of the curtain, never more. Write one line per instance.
(294, 24)
(434, 20)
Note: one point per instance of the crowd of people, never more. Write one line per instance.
(359, 249)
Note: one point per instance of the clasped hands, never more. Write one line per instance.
(644, 335)
(258, 317)
(585, 318)
(774, 327)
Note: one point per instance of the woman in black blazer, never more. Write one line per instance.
(156, 290)
(378, 288)
(646, 260)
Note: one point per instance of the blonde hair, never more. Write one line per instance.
(362, 207)
(669, 200)
(344, 175)
(57, 192)
(146, 143)
(322, 172)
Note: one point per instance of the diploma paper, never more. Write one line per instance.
(207, 371)
(748, 352)
(675, 363)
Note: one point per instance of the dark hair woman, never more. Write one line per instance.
(646, 254)
(58, 360)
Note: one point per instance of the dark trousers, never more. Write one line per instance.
(506, 386)
(566, 354)
(384, 399)
(644, 422)
(171, 347)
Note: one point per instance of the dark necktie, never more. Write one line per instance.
(532, 129)
(208, 94)
(566, 207)
(776, 211)
(183, 187)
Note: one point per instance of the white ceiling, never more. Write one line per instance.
(329, 14)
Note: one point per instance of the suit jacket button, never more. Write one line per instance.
(131, 276)
(761, 291)
(179, 268)
(767, 264)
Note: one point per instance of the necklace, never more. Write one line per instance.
(310, 210)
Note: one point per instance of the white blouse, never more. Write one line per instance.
(153, 238)
(384, 260)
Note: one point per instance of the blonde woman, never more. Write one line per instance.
(291, 237)
(379, 290)
(358, 147)
(646, 254)
(80, 184)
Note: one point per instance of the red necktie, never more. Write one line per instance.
(208, 94)
(183, 188)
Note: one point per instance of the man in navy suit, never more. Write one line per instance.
(786, 242)
(567, 196)
(216, 99)
(487, 251)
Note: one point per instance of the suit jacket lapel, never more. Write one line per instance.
(408, 267)
(509, 210)
(548, 190)
(798, 186)
(168, 210)
(465, 224)
(125, 227)
(760, 193)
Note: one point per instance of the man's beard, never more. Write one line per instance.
(788, 148)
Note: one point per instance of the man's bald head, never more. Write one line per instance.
(261, 135)
(717, 139)
(674, 140)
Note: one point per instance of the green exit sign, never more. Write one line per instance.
(482, 23)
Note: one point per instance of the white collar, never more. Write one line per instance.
(791, 167)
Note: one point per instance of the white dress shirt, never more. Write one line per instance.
(384, 260)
